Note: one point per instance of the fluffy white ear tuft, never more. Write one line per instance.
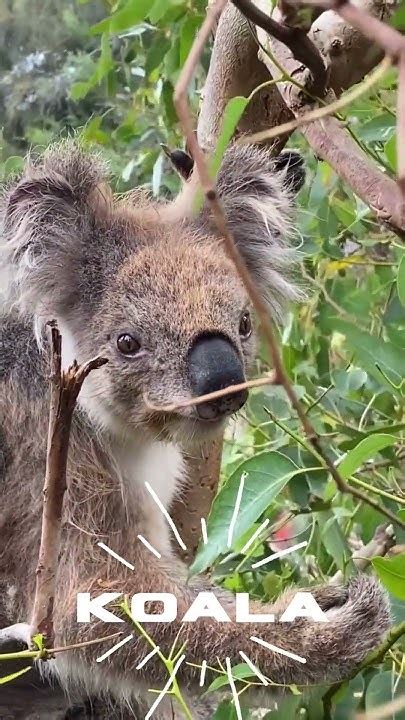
(257, 192)
(44, 219)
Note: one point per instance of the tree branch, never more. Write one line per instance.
(64, 390)
(380, 544)
(235, 69)
(296, 39)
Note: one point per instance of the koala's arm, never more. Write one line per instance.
(357, 619)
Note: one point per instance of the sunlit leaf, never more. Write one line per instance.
(391, 572)
(265, 475)
(365, 450)
(133, 12)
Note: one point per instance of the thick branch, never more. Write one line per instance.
(302, 48)
(330, 141)
(64, 390)
(235, 69)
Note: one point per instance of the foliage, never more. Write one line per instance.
(112, 75)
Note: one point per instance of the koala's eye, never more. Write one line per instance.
(127, 344)
(245, 325)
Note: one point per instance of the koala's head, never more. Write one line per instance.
(148, 285)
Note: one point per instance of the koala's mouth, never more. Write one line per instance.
(186, 429)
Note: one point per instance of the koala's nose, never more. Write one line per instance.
(214, 364)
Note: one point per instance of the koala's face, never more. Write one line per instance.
(175, 323)
(148, 285)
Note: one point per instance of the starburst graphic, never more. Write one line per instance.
(259, 641)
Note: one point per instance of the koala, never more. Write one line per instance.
(148, 286)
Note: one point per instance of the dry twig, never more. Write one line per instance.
(230, 390)
(208, 186)
(64, 390)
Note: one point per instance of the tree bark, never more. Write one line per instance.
(235, 69)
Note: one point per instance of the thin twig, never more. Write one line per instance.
(296, 39)
(230, 390)
(380, 544)
(342, 102)
(281, 377)
(387, 710)
(50, 652)
(64, 390)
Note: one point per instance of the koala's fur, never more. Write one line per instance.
(102, 266)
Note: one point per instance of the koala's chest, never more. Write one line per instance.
(151, 473)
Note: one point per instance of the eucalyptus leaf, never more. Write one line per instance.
(365, 450)
(391, 572)
(265, 476)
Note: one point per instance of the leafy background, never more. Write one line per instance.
(109, 70)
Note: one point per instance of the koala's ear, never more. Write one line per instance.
(257, 192)
(291, 163)
(46, 218)
(181, 161)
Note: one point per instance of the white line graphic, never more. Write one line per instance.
(166, 514)
(204, 531)
(165, 689)
(203, 671)
(116, 556)
(114, 648)
(279, 554)
(148, 657)
(233, 688)
(149, 546)
(276, 649)
(253, 668)
(236, 509)
(254, 536)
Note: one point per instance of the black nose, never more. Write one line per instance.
(214, 364)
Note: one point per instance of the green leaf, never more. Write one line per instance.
(156, 53)
(398, 18)
(401, 281)
(364, 451)
(240, 671)
(391, 572)
(380, 691)
(105, 61)
(266, 475)
(79, 90)
(13, 165)
(232, 114)
(9, 678)
(187, 35)
(133, 12)
(390, 150)
(381, 358)
(333, 539)
(157, 11)
(380, 128)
